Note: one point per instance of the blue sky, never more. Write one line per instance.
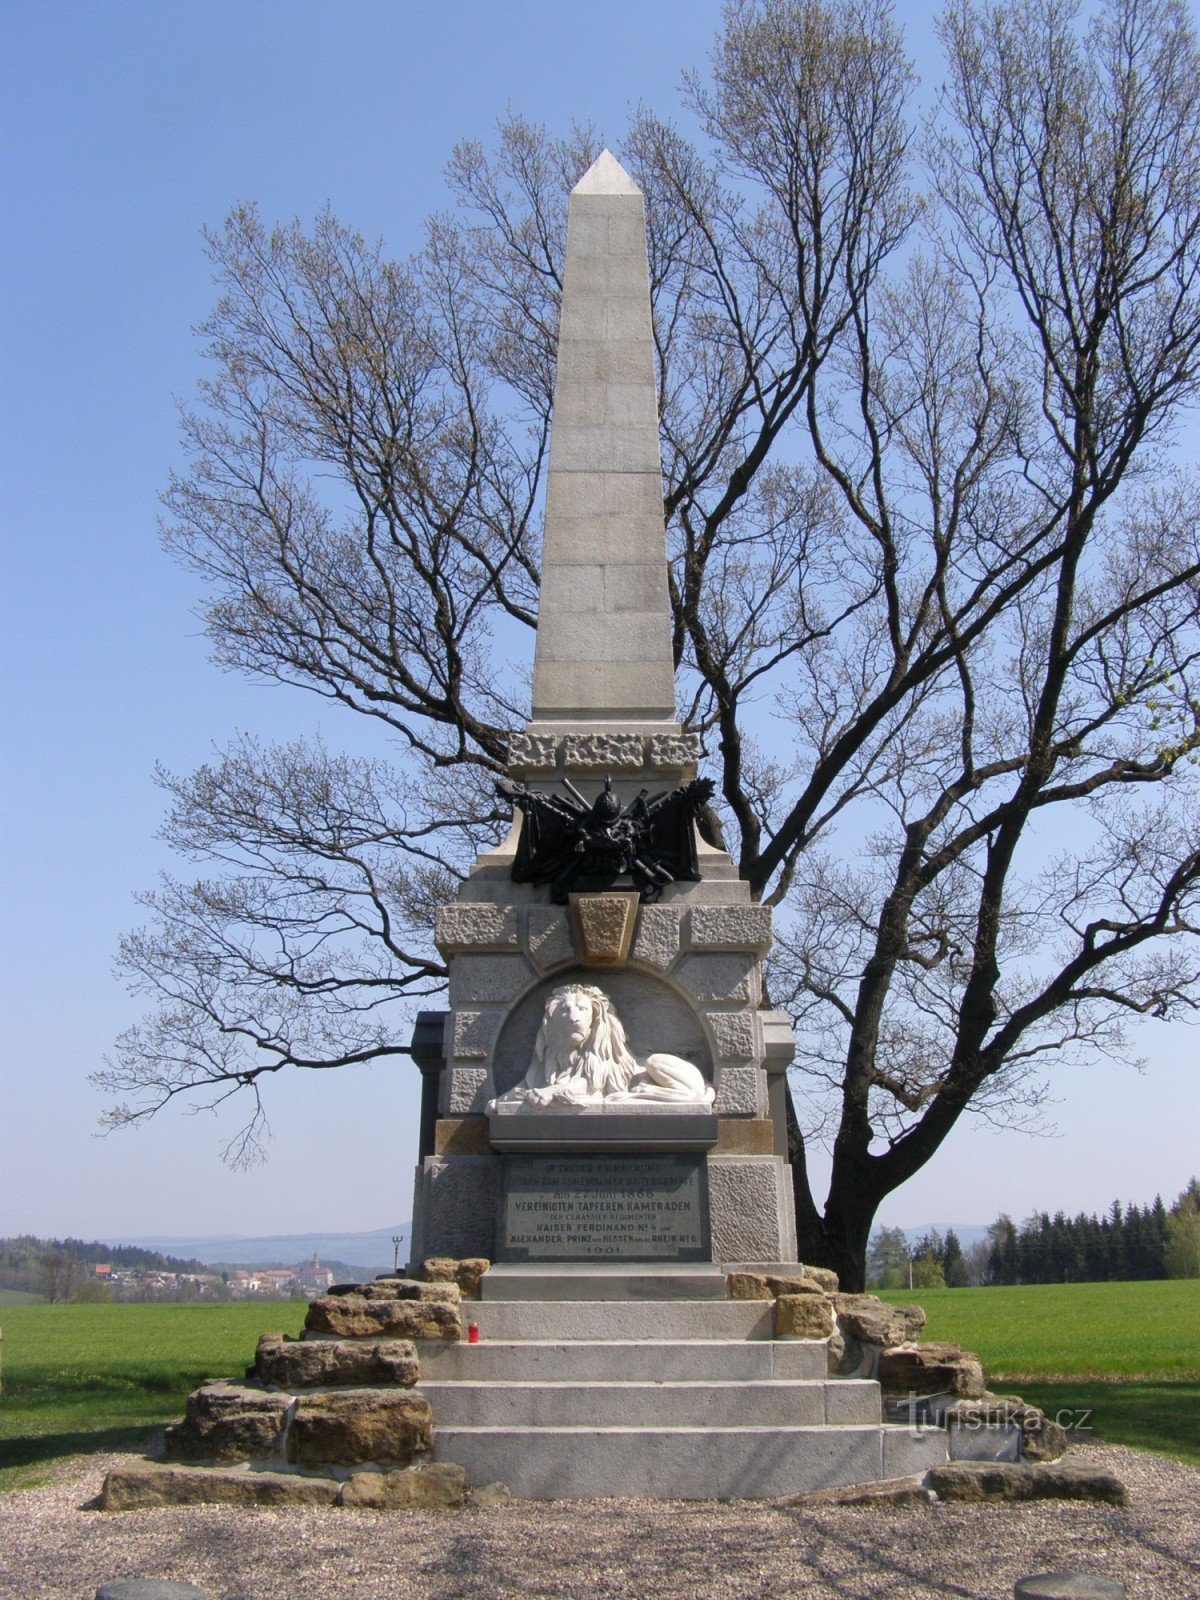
(124, 129)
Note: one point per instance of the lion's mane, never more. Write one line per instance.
(604, 1057)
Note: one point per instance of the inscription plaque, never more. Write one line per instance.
(605, 1208)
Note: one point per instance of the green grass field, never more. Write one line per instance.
(1125, 1354)
(1071, 1331)
(98, 1377)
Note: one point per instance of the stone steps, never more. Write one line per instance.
(683, 1463)
(629, 1360)
(658, 1396)
(705, 1404)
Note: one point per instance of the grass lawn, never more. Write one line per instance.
(1126, 1354)
(99, 1377)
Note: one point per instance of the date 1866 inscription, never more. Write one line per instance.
(605, 1208)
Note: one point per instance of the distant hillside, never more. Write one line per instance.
(26, 1248)
(368, 1253)
(29, 1265)
(969, 1233)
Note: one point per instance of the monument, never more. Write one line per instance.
(603, 1204)
(609, 1085)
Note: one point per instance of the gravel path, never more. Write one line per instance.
(53, 1548)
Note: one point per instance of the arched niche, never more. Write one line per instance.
(655, 1017)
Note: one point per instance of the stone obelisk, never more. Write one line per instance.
(604, 639)
(604, 677)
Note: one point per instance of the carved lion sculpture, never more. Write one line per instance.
(581, 1057)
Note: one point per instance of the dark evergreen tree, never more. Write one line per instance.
(954, 1265)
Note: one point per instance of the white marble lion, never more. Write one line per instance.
(581, 1057)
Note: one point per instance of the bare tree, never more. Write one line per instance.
(935, 567)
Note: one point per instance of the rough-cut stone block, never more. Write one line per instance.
(603, 752)
(747, 1286)
(474, 1033)
(931, 1368)
(673, 750)
(411, 1289)
(496, 978)
(733, 1034)
(743, 1205)
(656, 942)
(828, 1280)
(353, 1317)
(319, 1363)
(872, 1321)
(146, 1484)
(603, 928)
(731, 928)
(549, 937)
(351, 1427)
(468, 1274)
(741, 1092)
(533, 752)
(432, 1486)
(228, 1422)
(475, 927)
(717, 978)
(1035, 1480)
(803, 1316)
(464, 1091)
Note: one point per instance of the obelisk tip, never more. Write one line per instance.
(606, 175)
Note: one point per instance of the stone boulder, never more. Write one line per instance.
(490, 1495)
(1035, 1480)
(908, 1491)
(229, 1422)
(931, 1368)
(1042, 1439)
(438, 1484)
(803, 1316)
(869, 1320)
(467, 1274)
(316, 1363)
(410, 1289)
(149, 1483)
(355, 1317)
(351, 1427)
(825, 1276)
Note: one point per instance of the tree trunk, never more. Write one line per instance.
(839, 1238)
